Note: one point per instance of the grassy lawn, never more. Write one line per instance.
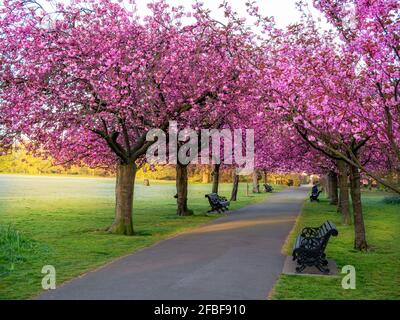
(377, 271)
(53, 221)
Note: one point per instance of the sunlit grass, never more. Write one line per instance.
(377, 271)
(59, 218)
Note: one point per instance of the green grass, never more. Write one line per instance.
(377, 271)
(392, 200)
(53, 221)
(14, 249)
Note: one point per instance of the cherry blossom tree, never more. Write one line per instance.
(370, 30)
(343, 98)
(85, 83)
(319, 90)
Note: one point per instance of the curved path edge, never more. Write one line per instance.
(237, 256)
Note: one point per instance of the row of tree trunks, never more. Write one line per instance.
(125, 181)
(339, 181)
(182, 187)
(124, 192)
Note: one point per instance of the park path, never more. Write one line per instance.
(237, 256)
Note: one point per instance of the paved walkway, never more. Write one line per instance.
(235, 257)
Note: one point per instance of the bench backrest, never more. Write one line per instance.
(213, 198)
(327, 228)
(316, 194)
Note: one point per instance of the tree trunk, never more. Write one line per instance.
(360, 242)
(125, 182)
(215, 178)
(265, 177)
(235, 187)
(327, 186)
(182, 190)
(343, 206)
(333, 187)
(256, 186)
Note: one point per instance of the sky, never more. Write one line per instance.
(284, 11)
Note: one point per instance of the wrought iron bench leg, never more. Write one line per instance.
(322, 269)
(300, 268)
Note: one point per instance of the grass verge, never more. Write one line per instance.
(377, 271)
(50, 221)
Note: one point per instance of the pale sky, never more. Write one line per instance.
(284, 11)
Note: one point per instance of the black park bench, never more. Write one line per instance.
(314, 195)
(217, 202)
(309, 247)
(268, 188)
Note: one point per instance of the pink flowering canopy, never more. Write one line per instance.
(322, 91)
(370, 30)
(85, 83)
